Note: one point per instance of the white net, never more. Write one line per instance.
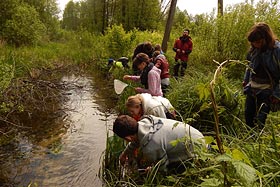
(119, 86)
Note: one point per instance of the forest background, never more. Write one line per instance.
(34, 40)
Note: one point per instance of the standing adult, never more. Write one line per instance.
(161, 62)
(145, 47)
(152, 136)
(183, 47)
(149, 77)
(263, 74)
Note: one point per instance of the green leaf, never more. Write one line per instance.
(203, 91)
(174, 142)
(224, 157)
(209, 139)
(211, 183)
(245, 172)
(238, 155)
(171, 179)
(175, 125)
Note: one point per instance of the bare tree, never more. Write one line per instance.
(169, 24)
(220, 13)
(220, 7)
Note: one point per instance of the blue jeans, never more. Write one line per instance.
(257, 106)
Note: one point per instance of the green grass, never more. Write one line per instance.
(251, 156)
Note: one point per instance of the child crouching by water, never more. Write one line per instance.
(153, 137)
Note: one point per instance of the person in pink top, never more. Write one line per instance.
(149, 77)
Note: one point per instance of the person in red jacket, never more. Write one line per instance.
(182, 47)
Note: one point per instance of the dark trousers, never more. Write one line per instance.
(257, 106)
(164, 89)
(178, 65)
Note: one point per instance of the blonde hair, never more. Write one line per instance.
(133, 101)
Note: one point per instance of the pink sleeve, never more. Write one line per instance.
(134, 78)
(154, 84)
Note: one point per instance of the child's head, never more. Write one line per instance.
(134, 106)
(157, 47)
(141, 61)
(148, 48)
(124, 61)
(125, 126)
(110, 62)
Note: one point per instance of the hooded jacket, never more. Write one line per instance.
(262, 62)
(155, 136)
(162, 63)
(185, 44)
(155, 105)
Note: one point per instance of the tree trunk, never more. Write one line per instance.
(168, 25)
(105, 18)
(220, 7)
(220, 13)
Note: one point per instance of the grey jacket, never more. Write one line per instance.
(155, 137)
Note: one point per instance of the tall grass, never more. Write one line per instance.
(252, 155)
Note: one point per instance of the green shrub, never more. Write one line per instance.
(7, 68)
(25, 27)
(117, 42)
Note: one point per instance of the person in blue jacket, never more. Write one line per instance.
(262, 75)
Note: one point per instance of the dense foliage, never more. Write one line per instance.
(95, 30)
(97, 15)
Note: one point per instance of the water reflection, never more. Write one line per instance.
(70, 146)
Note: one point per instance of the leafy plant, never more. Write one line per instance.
(25, 27)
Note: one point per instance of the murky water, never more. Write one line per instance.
(71, 153)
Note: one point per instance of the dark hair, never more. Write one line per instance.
(260, 31)
(147, 47)
(124, 61)
(187, 30)
(157, 47)
(124, 126)
(140, 57)
(156, 53)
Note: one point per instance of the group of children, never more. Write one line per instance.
(147, 127)
(151, 125)
(150, 67)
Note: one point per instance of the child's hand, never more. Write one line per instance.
(126, 77)
(138, 90)
(148, 169)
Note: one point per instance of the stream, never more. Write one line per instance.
(70, 152)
